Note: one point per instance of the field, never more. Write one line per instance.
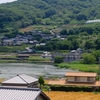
(2, 79)
(38, 27)
(73, 95)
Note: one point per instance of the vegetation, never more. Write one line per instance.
(79, 66)
(58, 59)
(71, 88)
(88, 58)
(23, 13)
(12, 49)
(41, 81)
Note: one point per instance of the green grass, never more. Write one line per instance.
(38, 58)
(9, 49)
(80, 66)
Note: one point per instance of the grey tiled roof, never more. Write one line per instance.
(8, 93)
(21, 79)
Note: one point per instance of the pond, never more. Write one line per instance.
(8, 70)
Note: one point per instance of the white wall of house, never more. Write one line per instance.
(81, 79)
(70, 79)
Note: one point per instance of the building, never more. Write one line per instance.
(80, 77)
(47, 55)
(74, 55)
(9, 93)
(92, 21)
(23, 56)
(22, 80)
(77, 79)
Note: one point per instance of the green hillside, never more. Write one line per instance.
(23, 13)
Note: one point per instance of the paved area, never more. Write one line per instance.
(64, 82)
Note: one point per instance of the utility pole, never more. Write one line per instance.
(99, 68)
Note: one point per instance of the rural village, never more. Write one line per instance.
(50, 50)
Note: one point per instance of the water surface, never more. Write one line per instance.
(12, 69)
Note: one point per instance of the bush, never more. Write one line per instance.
(88, 58)
(58, 59)
(71, 88)
(64, 65)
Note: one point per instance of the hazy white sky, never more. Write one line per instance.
(4, 1)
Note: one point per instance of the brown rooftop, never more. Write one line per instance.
(81, 74)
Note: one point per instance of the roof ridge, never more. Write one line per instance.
(22, 79)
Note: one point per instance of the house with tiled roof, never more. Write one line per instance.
(22, 80)
(12, 93)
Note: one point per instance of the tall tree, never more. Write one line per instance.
(41, 81)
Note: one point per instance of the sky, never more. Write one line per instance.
(4, 1)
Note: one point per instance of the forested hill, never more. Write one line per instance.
(28, 12)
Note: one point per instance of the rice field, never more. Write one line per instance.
(56, 95)
(2, 79)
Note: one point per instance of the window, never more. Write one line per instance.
(77, 79)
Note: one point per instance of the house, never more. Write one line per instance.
(47, 55)
(93, 21)
(74, 55)
(80, 77)
(11, 93)
(7, 41)
(23, 56)
(77, 79)
(22, 80)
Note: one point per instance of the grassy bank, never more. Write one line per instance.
(79, 66)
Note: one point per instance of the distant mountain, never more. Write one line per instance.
(23, 13)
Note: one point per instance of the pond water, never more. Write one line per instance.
(9, 70)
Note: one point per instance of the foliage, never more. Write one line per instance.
(79, 66)
(96, 53)
(88, 58)
(71, 88)
(41, 81)
(58, 59)
(23, 13)
(59, 45)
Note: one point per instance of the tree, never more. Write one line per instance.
(64, 32)
(89, 44)
(49, 12)
(88, 58)
(97, 55)
(58, 59)
(41, 81)
(97, 42)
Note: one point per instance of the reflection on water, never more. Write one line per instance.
(12, 69)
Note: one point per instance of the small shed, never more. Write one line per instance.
(22, 80)
(10, 93)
